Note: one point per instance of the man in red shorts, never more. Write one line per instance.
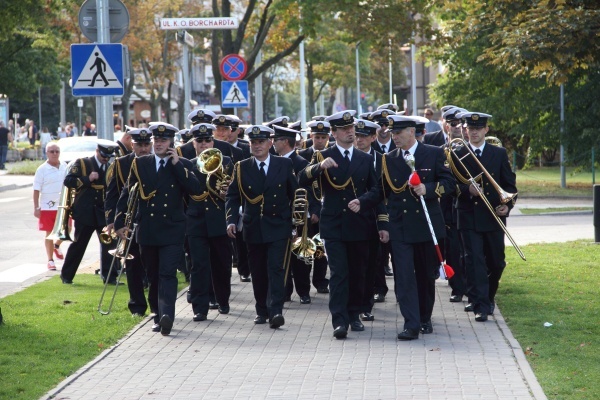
(47, 185)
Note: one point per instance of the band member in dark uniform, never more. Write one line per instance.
(319, 132)
(343, 174)
(88, 177)
(185, 135)
(117, 175)
(125, 143)
(163, 179)
(206, 230)
(375, 283)
(384, 143)
(227, 126)
(207, 116)
(284, 142)
(265, 185)
(482, 236)
(412, 243)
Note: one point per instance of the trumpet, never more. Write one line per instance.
(122, 249)
(505, 197)
(210, 162)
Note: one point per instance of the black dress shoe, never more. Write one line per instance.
(66, 281)
(213, 305)
(166, 323)
(481, 317)
(469, 307)
(492, 308)
(322, 289)
(259, 320)
(367, 316)
(199, 317)
(426, 327)
(287, 298)
(455, 298)
(305, 300)
(223, 309)
(408, 334)
(155, 328)
(357, 326)
(340, 332)
(114, 282)
(388, 271)
(379, 298)
(277, 321)
(245, 278)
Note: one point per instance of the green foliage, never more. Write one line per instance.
(556, 285)
(27, 167)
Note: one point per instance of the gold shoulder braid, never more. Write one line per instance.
(110, 173)
(204, 195)
(259, 198)
(333, 185)
(143, 195)
(385, 173)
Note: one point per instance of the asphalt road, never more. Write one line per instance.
(23, 260)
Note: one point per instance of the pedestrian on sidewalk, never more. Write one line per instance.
(5, 139)
(47, 185)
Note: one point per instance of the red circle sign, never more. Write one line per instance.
(233, 67)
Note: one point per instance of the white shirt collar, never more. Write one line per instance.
(342, 150)
(267, 161)
(412, 149)
(289, 154)
(387, 145)
(98, 162)
(157, 160)
(475, 148)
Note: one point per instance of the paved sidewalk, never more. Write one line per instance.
(11, 182)
(231, 358)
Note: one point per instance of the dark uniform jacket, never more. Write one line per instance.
(407, 219)
(206, 212)
(122, 150)
(188, 151)
(160, 215)
(245, 147)
(437, 138)
(116, 179)
(338, 187)
(472, 211)
(375, 145)
(88, 207)
(307, 144)
(266, 202)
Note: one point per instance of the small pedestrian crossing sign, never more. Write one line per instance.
(97, 69)
(234, 94)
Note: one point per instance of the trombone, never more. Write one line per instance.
(122, 249)
(505, 197)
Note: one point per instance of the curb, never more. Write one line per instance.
(14, 187)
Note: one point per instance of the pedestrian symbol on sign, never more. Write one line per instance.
(100, 66)
(235, 95)
(97, 73)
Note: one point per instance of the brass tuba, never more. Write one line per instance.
(303, 247)
(210, 162)
(61, 229)
(505, 197)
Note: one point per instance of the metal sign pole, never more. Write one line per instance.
(104, 104)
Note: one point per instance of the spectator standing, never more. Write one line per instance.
(47, 185)
(45, 138)
(91, 131)
(32, 132)
(73, 129)
(5, 138)
(431, 126)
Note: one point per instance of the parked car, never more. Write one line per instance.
(73, 148)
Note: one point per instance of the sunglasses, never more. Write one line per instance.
(53, 151)
(203, 140)
(454, 124)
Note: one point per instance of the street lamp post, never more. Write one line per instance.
(358, 105)
(390, 72)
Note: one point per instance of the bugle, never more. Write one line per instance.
(122, 249)
(505, 197)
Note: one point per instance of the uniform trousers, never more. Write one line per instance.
(319, 278)
(414, 278)
(380, 282)
(452, 250)
(266, 267)
(161, 264)
(211, 268)
(76, 250)
(299, 275)
(136, 273)
(373, 266)
(484, 262)
(348, 263)
(242, 255)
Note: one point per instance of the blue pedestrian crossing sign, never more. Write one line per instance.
(97, 69)
(234, 94)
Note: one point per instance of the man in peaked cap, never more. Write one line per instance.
(412, 244)
(420, 126)
(163, 179)
(225, 132)
(389, 106)
(206, 232)
(375, 283)
(185, 135)
(116, 178)
(482, 236)
(265, 186)
(87, 176)
(384, 142)
(204, 115)
(344, 173)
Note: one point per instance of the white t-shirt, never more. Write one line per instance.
(49, 181)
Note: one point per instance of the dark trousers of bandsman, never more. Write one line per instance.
(76, 250)
(135, 272)
(161, 264)
(266, 267)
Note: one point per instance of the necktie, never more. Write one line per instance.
(347, 156)
(162, 166)
(383, 148)
(262, 169)
(478, 153)
(406, 153)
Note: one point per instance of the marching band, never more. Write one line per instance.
(362, 189)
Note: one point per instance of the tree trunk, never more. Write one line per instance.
(127, 97)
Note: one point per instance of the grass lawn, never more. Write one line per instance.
(558, 284)
(533, 211)
(546, 182)
(51, 330)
